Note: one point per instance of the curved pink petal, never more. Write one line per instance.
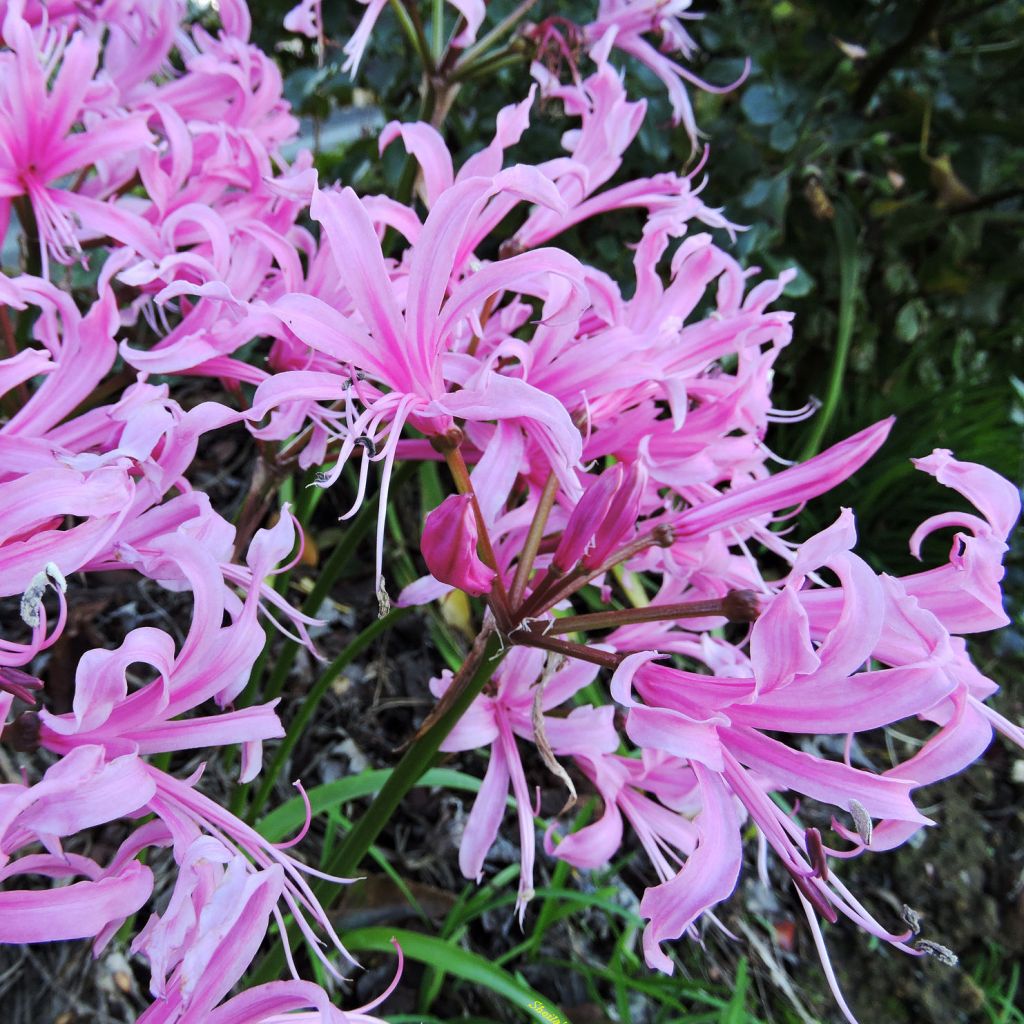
(76, 911)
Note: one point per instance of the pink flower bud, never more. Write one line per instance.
(587, 517)
(449, 546)
(620, 520)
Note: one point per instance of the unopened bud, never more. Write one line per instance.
(741, 605)
(449, 546)
(23, 733)
(451, 439)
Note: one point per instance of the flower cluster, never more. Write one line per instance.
(132, 141)
(607, 446)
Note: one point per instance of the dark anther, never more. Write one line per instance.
(816, 853)
(814, 896)
(23, 733)
(741, 605)
(664, 536)
(368, 443)
(509, 248)
(911, 918)
(941, 953)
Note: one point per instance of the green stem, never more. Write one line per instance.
(500, 30)
(312, 701)
(846, 240)
(489, 65)
(536, 534)
(479, 665)
(413, 33)
(437, 32)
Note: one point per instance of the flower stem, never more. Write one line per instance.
(735, 606)
(499, 599)
(483, 658)
(311, 701)
(506, 25)
(413, 30)
(531, 637)
(846, 246)
(478, 667)
(533, 539)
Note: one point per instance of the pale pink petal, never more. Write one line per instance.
(708, 877)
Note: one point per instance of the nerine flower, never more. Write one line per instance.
(40, 146)
(471, 11)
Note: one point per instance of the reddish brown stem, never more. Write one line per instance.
(498, 600)
(535, 638)
(11, 344)
(736, 606)
(579, 577)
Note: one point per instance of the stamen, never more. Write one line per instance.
(941, 953)
(368, 443)
(391, 988)
(32, 599)
(861, 821)
(383, 600)
(816, 853)
(911, 918)
(813, 895)
(305, 825)
(19, 683)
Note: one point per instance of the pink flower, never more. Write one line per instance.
(449, 546)
(472, 11)
(304, 18)
(495, 722)
(399, 353)
(623, 24)
(40, 145)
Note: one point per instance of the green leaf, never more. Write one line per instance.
(736, 1011)
(290, 817)
(762, 105)
(462, 964)
(910, 320)
(783, 136)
